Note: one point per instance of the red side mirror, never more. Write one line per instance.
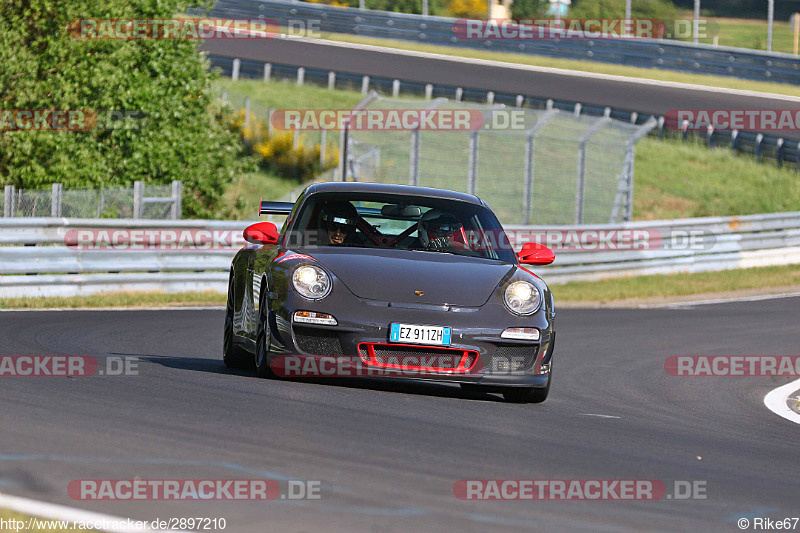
(262, 233)
(534, 253)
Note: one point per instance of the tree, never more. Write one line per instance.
(43, 67)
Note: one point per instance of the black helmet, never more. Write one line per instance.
(437, 225)
(339, 214)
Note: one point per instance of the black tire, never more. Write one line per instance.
(263, 342)
(232, 355)
(528, 394)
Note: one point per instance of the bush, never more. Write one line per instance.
(468, 8)
(528, 9)
(42, 67)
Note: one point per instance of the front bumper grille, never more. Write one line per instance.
(317, 341)
(423, 358)
(512, 358)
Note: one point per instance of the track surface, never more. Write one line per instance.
(388, 453)
(654, 99)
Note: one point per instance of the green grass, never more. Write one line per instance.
(670, 285)
(674, 179)
(244, 194)
(748, 33)
(118, 299)
(571, 64)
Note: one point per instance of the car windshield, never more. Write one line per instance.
(399, 222)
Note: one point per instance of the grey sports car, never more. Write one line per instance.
(393, 281)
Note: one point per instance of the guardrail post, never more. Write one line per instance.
(607, 112)
(735, 140)
(472, 171)
(331, 80)
(549, 104)
(490, 97)
(177, 200)
(8, 201)
(520, 99)
(364, 84)
(779, 153)
(267, 72)
(138, 191)
(710, 136)
(413, 160)
(55, 201)
(395, 88)
(301, 75)
(428, 91)
(759, 139)
(577, 110)
(459, 94)
(237, 64)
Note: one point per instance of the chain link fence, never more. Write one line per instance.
(158, 202)
(530, 166)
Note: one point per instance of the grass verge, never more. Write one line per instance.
(610, 290)
(672, 285)
(572, 64)
(116, 299)
(674, 179)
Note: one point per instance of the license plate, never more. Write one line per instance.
(413, 334)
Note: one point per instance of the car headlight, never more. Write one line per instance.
(311, 282)
(522, 298)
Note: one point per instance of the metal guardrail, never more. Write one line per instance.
(35, 261)
(649, 53)
(763, 147)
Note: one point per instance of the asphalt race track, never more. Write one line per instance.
(388, 454)
(647, 98)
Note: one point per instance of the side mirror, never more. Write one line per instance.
(262, 233)
(534, 253)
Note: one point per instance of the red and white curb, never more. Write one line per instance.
(776, 401)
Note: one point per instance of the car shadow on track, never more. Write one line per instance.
(423, 388)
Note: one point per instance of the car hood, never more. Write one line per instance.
(395, 275)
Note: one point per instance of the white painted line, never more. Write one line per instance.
(176, 308)
(51, 511)
(599, 416)
(722, 300)
(549, 70)
(776, 401)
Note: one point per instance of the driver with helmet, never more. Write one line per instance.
(338, 221)
(437, 229)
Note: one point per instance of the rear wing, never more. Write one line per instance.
(275, 208)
